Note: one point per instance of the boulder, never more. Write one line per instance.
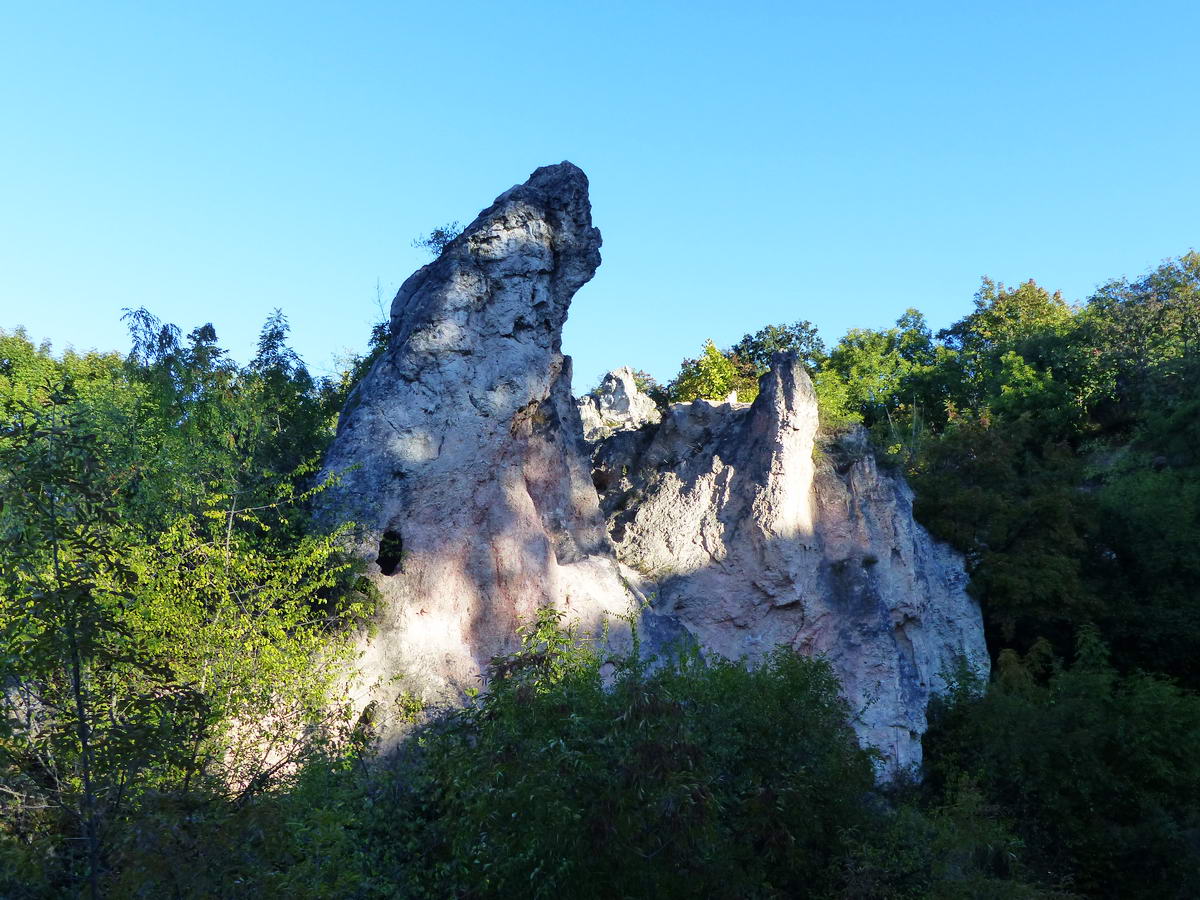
(616, 405)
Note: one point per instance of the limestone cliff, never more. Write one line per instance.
(459, 452)
(462, 458)
(750, 543)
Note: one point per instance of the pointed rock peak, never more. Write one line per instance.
(540, 230)
(618, 404)
(564, 185)
(458, 453)
(786, 385)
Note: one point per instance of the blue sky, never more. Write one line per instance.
(750, 163)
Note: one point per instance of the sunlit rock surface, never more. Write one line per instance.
(460, 452)
(463, 461)
(616, 405)
(750, 543)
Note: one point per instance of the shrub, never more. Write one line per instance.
(1098, 770)
(691, 778)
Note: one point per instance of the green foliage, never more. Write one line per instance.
(716, 374)
(306, 839)
(1096, 770)
(89, 708)
(835, 406)
(801, 338)
(1009, 498)
(878, 367)
(648, 385)
(1142, 340)
(713, 376)
(684, 779)
(170, 624)
(952, 845)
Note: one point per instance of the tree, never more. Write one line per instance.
(92, 706)
(172, 628)
(438, 239)
(1142, 338)
(1095, 769)
(883, 374)
(1027, 320)
(712, 376)
(800, 337)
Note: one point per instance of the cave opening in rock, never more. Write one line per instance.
(391, 552)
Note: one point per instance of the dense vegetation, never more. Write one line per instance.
(173, 634)
(171, 628)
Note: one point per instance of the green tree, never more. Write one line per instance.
(881, 369)
(712, 376)
(1094, 768)
(802, 338)
(92, 708)
(1141, 341)
(1027, 320)
(172, 628)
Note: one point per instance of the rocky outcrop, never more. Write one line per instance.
(462, 459)
(616, 405)
(750, 543)
(460, 456)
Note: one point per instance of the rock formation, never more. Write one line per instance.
(462, 459)
(617, 405)
(750, 543)
(459, 452)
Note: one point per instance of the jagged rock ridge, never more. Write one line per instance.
(462, 460)
(752, 544)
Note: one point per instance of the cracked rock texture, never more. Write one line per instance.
(459, 452)
(752, 544)
(463, 462)
(617, 405)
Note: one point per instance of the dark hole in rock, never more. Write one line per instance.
(391, 552)
(602, 479)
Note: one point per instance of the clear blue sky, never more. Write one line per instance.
(750, 162)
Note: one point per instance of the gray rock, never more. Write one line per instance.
(753, 544)
(463, 462)
(617, 405)
(460, 453)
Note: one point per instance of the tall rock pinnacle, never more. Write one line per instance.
(460, 452)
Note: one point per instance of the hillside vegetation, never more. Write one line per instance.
(175, 634)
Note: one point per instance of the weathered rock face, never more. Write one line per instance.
(617, 405)
(462, 460)
(752, 544)
(460, 450)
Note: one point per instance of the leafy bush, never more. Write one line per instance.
(945, 846)
(1098, 771)
(713, 376)
(686, 779)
